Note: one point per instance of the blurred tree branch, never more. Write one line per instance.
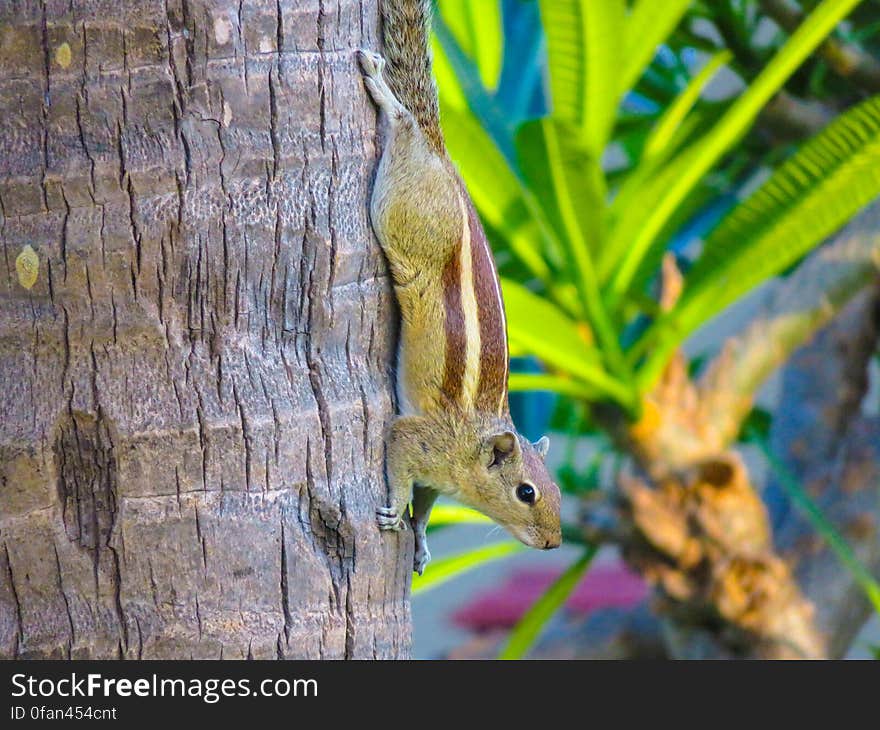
(789, 117)
(801, 304)
(823, 432)
(846, 59)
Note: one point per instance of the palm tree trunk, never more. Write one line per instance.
(196, 386)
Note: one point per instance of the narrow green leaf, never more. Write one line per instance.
(440, 571)
(806, 199)
(449, 88)
(646, 184)
(545, 331)
(527, 310)
(573, 194)
(529, 628)
(630, 213)
(525, 382)
(584, 48)
(482, 104)
(735, 122)
(453, 514)
(648, 25)
(478, 28)
(664, 131)
(579, 253)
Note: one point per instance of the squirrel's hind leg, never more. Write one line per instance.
(372, 65)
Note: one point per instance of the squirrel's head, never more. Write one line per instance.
(511, 484)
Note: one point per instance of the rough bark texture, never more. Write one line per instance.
(196, 387)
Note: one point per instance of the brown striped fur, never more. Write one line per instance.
(454, 435)
(444, 384)
(492, 393)
(455, 353)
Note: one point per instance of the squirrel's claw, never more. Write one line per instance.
(388, 519)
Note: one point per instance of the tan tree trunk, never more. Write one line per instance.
(196, 387)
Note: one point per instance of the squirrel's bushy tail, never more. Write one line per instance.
(405, 31)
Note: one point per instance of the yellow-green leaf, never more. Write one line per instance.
(441, 571)
(664, 131)
(477, 26)
(525, 382)
(566, 178)
(453, 514)
(703, 155)
(806, 199)
(647, 26)
(545, 331)
(452, 96)
(584, 49)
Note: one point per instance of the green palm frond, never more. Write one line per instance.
(544, 330)
(706, 153)
(584, 47)
(479, 31)
(647, 26)
(805, 200)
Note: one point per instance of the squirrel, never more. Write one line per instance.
(454, 435)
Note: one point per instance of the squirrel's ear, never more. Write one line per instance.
(500, 447)
(542, 446)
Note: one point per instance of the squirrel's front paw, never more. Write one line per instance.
(388, 519)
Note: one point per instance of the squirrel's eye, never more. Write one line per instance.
(525, 493)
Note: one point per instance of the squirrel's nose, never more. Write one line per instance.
(551, 544)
